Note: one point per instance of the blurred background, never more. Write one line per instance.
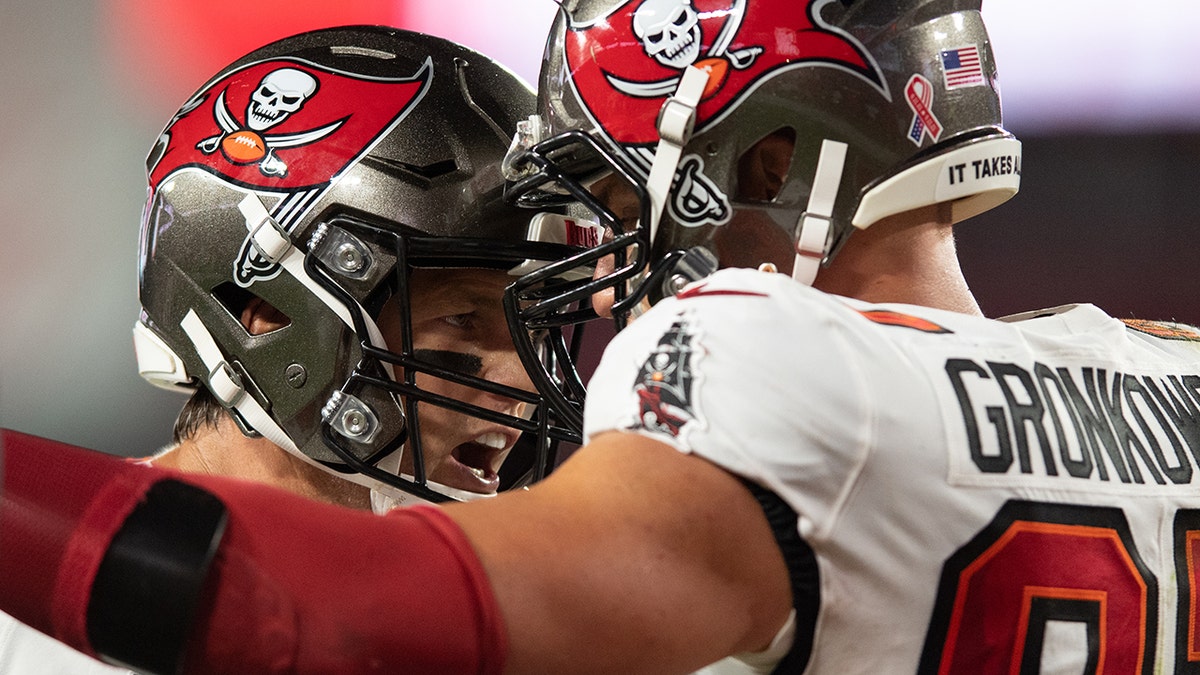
(1104, 94)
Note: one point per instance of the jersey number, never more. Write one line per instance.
(1038, 565)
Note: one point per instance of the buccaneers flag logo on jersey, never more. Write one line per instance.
(626, 64)
(285, 129)
(665, 381)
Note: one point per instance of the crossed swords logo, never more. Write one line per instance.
(670, 33)
(279, 94)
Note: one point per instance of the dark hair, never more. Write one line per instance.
(200, 411)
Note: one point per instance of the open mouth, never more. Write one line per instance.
(478, 461)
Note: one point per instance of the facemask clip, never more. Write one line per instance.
(350, 417)
(530, 132)
(696, 264)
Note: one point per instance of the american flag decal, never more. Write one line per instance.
(961, 67)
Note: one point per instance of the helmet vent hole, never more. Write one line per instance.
(763, 169)
(422, 175)
(436, 169)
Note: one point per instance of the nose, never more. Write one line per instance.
(602, 301)
(503, 366)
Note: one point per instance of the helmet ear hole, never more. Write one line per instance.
(255, 315)
(763, 169)
(261, 317)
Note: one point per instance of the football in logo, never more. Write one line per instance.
(243, 147)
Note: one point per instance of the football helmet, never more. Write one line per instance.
(316, 174)
(887, 105)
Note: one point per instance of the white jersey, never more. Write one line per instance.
(979, 496)
(25, 651)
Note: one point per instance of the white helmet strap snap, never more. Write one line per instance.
(676, 121)
(816, 223)
(227, 386)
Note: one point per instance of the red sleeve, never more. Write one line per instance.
(46, 555)
(297, 586)
(305, 587)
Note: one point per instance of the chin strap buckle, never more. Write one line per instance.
(815, 230)
(676, 121)
(267, 235)
(530, 132)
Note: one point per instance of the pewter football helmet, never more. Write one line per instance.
(315, 174)
(889, 104)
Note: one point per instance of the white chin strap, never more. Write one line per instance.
(816, 223)
(226, 385)
(676, 121)
(383, 501)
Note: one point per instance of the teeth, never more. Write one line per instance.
(478, 473)
(493, 440)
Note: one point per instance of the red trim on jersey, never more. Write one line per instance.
(890, 318)
(702, 290)
(1163, 329)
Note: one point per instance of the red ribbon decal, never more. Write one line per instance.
(919, 93)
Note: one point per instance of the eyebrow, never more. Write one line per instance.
(458, 291)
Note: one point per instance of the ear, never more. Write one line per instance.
(260, 316)
(764, 167)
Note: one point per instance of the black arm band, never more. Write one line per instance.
(802, 570)
(151, 580)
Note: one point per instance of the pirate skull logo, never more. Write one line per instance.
(281, 93)
(669, 31)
